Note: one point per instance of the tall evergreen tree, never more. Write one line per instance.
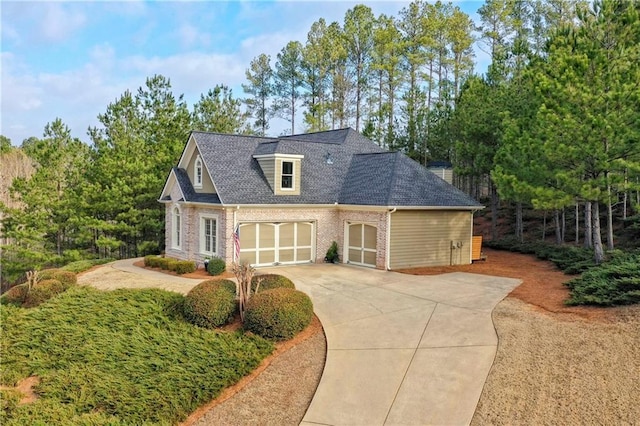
(288, 82)
(260, 88)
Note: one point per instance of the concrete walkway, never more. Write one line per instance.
(401, 349)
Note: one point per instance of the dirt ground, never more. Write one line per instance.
(556, 364)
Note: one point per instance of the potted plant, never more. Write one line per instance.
(332, 254)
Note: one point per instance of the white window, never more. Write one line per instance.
(287, 175)
(176, 237)
(197, 173)
(209, 235)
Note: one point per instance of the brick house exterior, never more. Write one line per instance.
(289, 198)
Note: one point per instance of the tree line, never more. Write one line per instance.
(552, 125)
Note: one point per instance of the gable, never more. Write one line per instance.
(187, 162)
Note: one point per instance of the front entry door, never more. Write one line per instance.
(362, 248)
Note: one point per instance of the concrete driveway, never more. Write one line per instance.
(401, 349)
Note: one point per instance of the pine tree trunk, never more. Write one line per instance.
(577, 223)
(556, 223)
(519, 227)
(597, 237)
(588, 233)
(564, 226)
(609, 220)
(544, 226)
(494, 212)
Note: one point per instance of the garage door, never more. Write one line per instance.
(361, 242)
(266, 244)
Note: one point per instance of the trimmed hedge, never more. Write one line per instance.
(67, 278)
(169, 264)
(271, 281)
(279, 313)
(43, 291)
(16, 295)
(216, 266)
(211, 303)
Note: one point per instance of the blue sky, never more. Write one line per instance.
(71, 59)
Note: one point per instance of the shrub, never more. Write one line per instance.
(67, 278)
(43, 291)
(278, 314)
(613, 283)
(184, 266)
(270, 281)
(163, 263)
(211, 303)
(332, 254)
(16, 295)
(149, 260)
(216, 266)
(83, 265)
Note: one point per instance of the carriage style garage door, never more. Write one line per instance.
(266, 244)
(361, 240)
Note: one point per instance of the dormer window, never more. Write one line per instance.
(197, 173)
(287, 175)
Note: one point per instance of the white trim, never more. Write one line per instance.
(293, 176)
(198, 164)
(176, 227)
(172, 174)
(284, 156)
(201, 236)
(387, 251)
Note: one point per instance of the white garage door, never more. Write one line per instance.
(361, 240)
(266, 244)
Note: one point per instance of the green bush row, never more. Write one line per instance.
(571, 260)
(616, 282)
(168, 264)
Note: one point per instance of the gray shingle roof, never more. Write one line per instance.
(362, 173)
(189, 193)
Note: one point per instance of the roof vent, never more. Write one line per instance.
(328, 158)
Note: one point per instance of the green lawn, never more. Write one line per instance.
(117, 357)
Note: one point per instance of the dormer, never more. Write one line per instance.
(283, 172)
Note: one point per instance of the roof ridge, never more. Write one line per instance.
(237, 135)
(315, 133)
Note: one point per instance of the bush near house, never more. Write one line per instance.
(279, 313)
(216, 266)
(211, 303)
(166, 263)
(270, 281)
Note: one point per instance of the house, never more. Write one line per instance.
(272, 201)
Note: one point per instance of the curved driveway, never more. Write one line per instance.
(401, 349)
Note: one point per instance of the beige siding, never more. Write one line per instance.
(207, 184)
(442, 173)
(297, 169)
(268, 166)
(426, 238)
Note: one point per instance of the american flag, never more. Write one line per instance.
(236, 242)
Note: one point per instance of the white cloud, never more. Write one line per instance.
(58, 23)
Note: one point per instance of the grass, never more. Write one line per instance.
(118, 357)
(82, 265)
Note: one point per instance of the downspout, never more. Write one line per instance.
(233, 230)
(387, 253)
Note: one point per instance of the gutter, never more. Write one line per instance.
(387, 253)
